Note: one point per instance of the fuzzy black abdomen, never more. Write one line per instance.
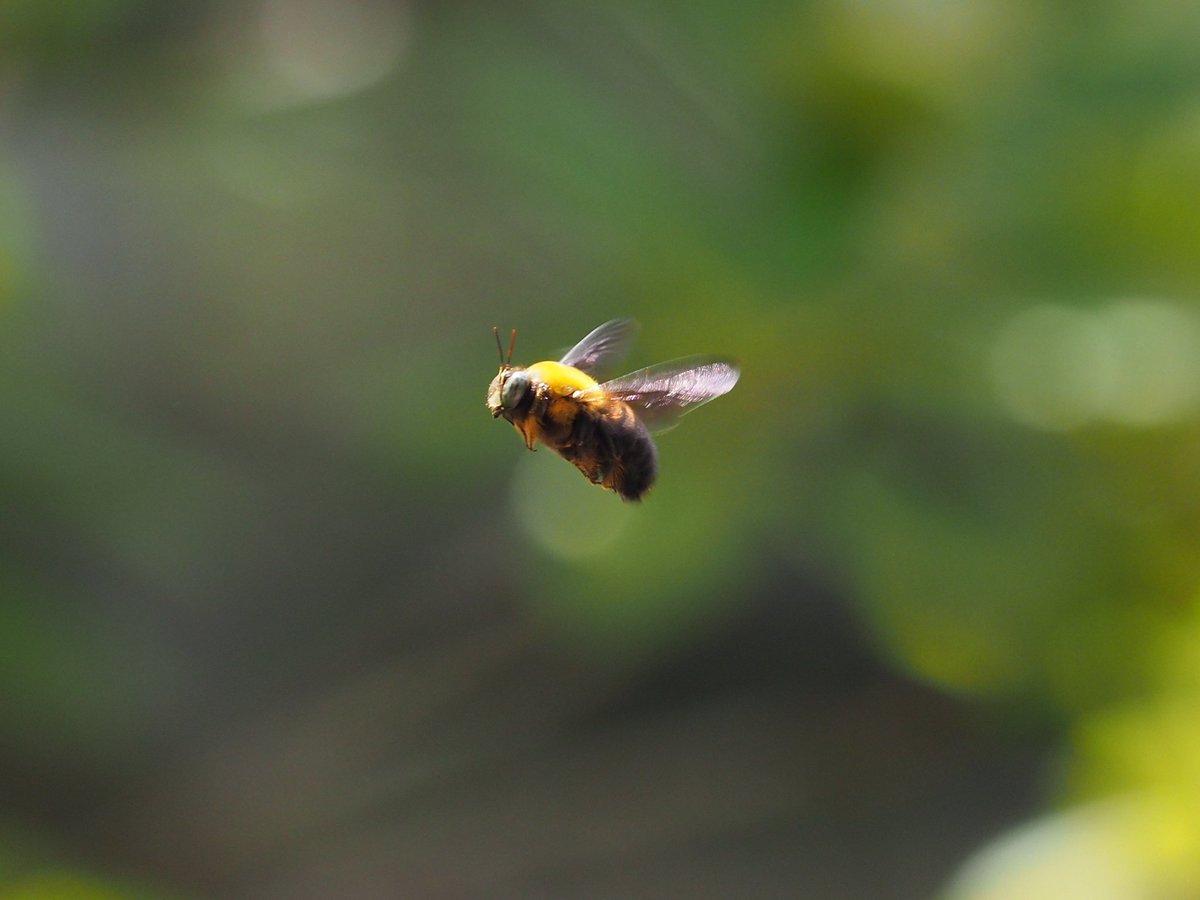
(612, 448)
(635, 461)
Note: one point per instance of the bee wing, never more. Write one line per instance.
(603, 346)
(660, 394)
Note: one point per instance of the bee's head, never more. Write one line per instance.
(509, 393)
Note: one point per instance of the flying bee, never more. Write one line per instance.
(604, 428)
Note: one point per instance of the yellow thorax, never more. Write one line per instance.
(562, 380)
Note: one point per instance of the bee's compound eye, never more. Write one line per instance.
(515, 388)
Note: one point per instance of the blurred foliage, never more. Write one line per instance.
(269, 569)
(65, 886)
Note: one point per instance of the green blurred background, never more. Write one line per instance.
(912, 613)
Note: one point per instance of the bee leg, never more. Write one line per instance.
(527, 438)
(585, 460)
(595, 471)
(529, 433)
(600, 473)
(601, 463)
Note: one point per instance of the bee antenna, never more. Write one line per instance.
(499, 346)
(511, 345)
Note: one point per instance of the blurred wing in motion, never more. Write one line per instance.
(602, 347)
(660, 394)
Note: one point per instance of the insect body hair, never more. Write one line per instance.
(610, 445)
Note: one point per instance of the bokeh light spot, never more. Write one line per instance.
(1157, 361)
(562, 512)
(1135, 363)
(1051, 367)
(327, 49)
(1109, 850)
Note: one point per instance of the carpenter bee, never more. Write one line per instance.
(603, 428)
